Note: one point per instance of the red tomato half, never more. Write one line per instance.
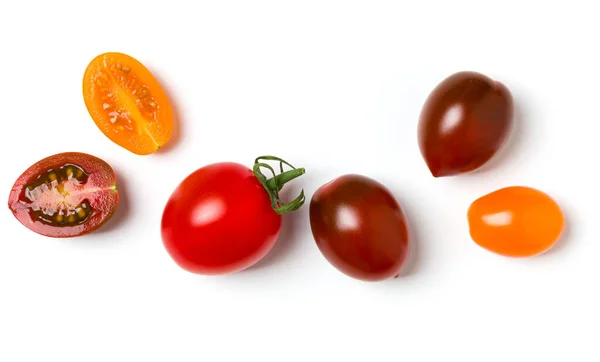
(219, 220)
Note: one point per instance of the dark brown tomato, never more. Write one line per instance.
(65, 195)
(465, 120)
(360, 228)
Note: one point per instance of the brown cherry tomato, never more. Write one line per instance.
(515, 221)
(65, 195)
(127, 103)
(465, 120)
(360, 228)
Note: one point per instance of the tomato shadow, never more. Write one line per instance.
(176, 135)
(513, 145)
(123, 209)
(289, 237)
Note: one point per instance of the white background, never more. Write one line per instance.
(335, 87)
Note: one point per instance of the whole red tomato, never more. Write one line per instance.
(360, 228)
(225, 217)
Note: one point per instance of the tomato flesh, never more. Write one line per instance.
(65, 195)
(360, 228)
(515, 221)
(219, 220)
(127, 103)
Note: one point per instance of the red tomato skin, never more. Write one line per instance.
(360, 228)
(219, 220)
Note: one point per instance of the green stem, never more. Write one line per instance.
(274, 184)
(284, 178)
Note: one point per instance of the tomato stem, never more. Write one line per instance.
(284, 178)
(274, 184)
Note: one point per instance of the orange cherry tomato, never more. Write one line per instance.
(127, 103)
(515, 221)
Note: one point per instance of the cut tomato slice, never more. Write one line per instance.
(127, 103)
(65, 195)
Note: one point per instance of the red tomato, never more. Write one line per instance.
(221, 218)
(360, 228)
(65, 195)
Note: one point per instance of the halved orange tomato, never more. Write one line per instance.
(127, 103)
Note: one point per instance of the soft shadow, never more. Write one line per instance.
(123, 209)
(289, 237)
(514, 144)
(176, 135)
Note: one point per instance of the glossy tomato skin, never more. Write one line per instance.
(465, 120)
(360, 228)
(219, 220)
(515, 221)
(58, 186)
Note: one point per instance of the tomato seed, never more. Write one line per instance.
(81, 213)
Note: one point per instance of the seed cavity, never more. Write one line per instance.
(71, 217)
(126, 79)
(51, 201)
(55, 178)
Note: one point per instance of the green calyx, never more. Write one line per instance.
(274, 184)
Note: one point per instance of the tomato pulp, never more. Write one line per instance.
(224, 217)
(127, 103)
(65, 195)
(360, 228)
(515, 221)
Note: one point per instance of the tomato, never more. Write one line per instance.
(515, 221)
(360, 228)
(65, 195)
(127, 103)
(224, 217)
(465, 120)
